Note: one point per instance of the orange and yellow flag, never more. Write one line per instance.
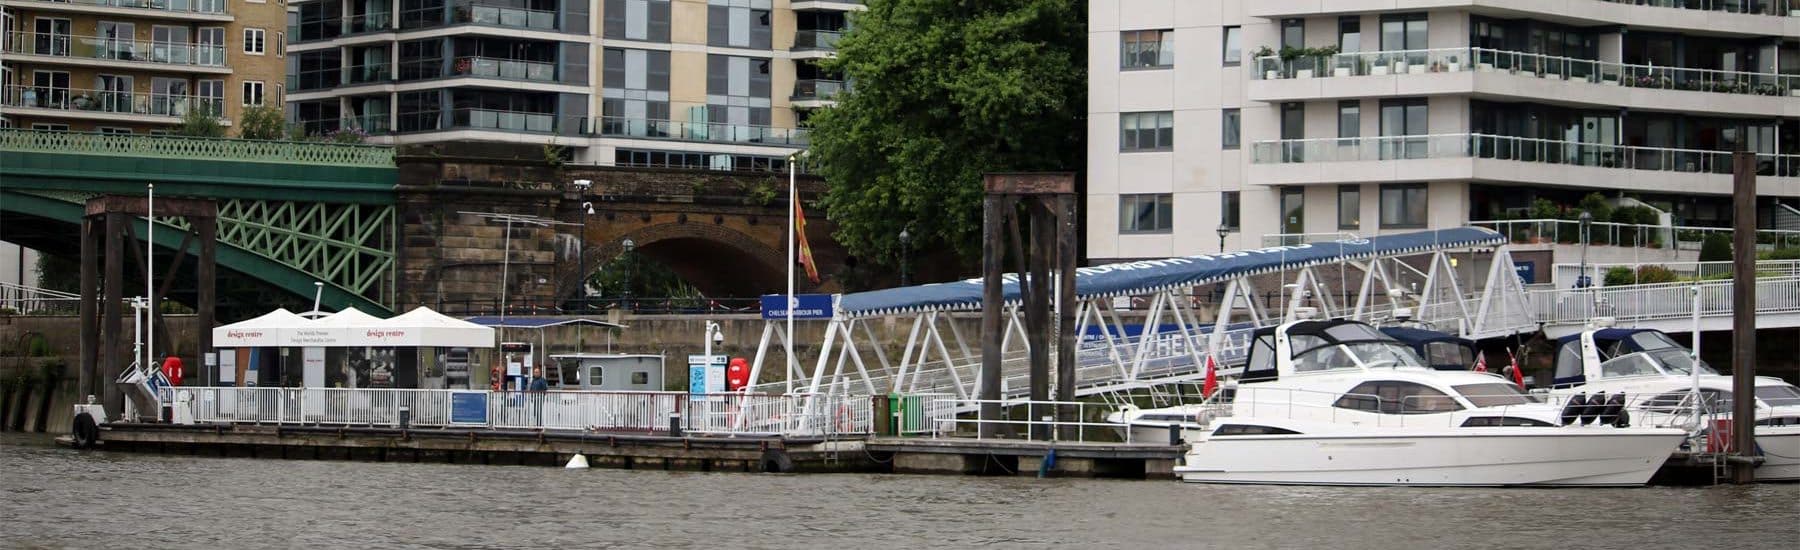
(806, 257)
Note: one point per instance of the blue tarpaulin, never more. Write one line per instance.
(1147, 276)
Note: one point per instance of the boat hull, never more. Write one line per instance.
(1466, 457)
(1781, 453)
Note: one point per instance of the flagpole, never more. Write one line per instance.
(793, 208)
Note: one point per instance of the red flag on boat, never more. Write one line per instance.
(1518, 374)
(1212, 378)
(805, 253)
(1481, 361)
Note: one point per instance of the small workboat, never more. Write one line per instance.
(1340, 403)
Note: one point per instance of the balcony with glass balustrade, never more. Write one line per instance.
(715, 132)
(108, 105)
(1486, 157)
(99, 51)
(1734, 17)
(182, 10)
(1458, 71)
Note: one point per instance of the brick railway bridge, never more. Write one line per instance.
(384, 231)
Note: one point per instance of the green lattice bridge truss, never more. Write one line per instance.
(289, 213)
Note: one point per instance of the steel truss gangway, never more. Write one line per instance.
(1166, 341)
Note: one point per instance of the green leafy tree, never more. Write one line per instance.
(200, 123)
(945, 91)
(1716, 248)
(59, 274)
(262, 122)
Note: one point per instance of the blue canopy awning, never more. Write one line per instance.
(537, 321)
(1147, 276)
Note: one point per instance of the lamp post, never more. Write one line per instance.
(587, 209)
(630, 270)
(1223, 231)
(905, 250)
(318, 292)
(1582, 280)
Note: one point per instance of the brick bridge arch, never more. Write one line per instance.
(717, 259)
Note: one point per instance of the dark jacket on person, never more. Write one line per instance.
(540, 384)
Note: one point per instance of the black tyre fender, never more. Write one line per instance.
(776, 461)
(86, 431)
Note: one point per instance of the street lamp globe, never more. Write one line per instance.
(628, 245)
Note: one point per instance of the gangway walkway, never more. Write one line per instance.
(1379, 280)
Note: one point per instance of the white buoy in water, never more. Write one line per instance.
(577, 462)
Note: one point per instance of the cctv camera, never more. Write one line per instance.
(718, 337)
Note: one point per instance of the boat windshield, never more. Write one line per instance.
(1492, 395)
(1672, 361)
(1367, 354)
(1779, 396)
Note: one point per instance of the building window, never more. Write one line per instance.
(1147, 49)
(635, 90)
(646, 20)
(1404, 124)
(1228, 210)
(1154, 131)
(1403, 206)
(1349, 207)
(253, 41)
(281, 44)
(1405, 31)
(1350, 33)
(739, 24)
(1349, 119)
(1146, 213)
(1234, 45)
(1230, 128)
(737, 96)
(253, 93)
(113, 130)
(1293, 33)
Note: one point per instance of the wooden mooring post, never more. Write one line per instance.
(1046, 243)
(1743, 315)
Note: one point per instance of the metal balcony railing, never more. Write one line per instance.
(807, 39)
(700, 131)
(817, 89)
(1455, 60)
(326, 29)
(95, 47)
(515, 121)
(108, 101)
(1779, 8)
(502, 16)
(1438, 146)
(509, 69)
(202, 7)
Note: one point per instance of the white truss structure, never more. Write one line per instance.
(942, 350)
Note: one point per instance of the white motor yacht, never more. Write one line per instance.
(1660, 376)
(1339, 403)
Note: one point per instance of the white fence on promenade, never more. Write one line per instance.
(586, 411)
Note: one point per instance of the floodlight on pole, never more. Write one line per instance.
(506, 254)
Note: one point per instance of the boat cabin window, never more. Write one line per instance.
(1780, 421)
(1678, 361)
(1251, 429)
(1636, 364)
(1568, 361)
(640, 378)
(1163, 417)
(1396, 397)
(1668, 402)
(1448, 353)
(1644, 341)
(1262, 358)
(595, 376)
(1779, 396)
(1495, 421)
(1492, 395)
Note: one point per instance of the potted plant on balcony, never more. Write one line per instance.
(1261, 58)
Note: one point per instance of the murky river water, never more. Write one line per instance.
(53, 497)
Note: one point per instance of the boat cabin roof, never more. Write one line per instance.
(1441, 350)
(1609, 344)
(1306, 339)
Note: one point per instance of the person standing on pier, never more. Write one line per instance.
(539, 386)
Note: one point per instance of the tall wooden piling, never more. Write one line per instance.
(1743, 313)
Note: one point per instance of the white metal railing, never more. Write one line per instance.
(733, 413)
(1030, 420)
(17, 298)
(1684, 237)
(117, 49)
(1658, 301)
(1393, 62)
(1290, 239)
(204, 7)
(1521, 149)
(512, 69)
(1599, 272)
(1777, 8)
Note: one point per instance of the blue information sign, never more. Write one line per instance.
(469, 407)
(1527, 272)
(806, 306)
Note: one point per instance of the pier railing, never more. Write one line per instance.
(588, 411)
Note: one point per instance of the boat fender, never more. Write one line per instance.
(86, 431)
(1595, 407)
(776, 461)
(1615, 406)
(577, 462)
(1048, 463)
(1571, 412)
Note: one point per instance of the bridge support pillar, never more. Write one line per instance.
(91, 235)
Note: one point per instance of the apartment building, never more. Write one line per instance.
(1228, 124)
(136, 66)
(712, 84)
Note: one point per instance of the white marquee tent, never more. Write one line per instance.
(420, 327)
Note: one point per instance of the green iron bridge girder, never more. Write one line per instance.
(289, 213)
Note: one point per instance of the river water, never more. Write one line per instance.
(60, 498)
